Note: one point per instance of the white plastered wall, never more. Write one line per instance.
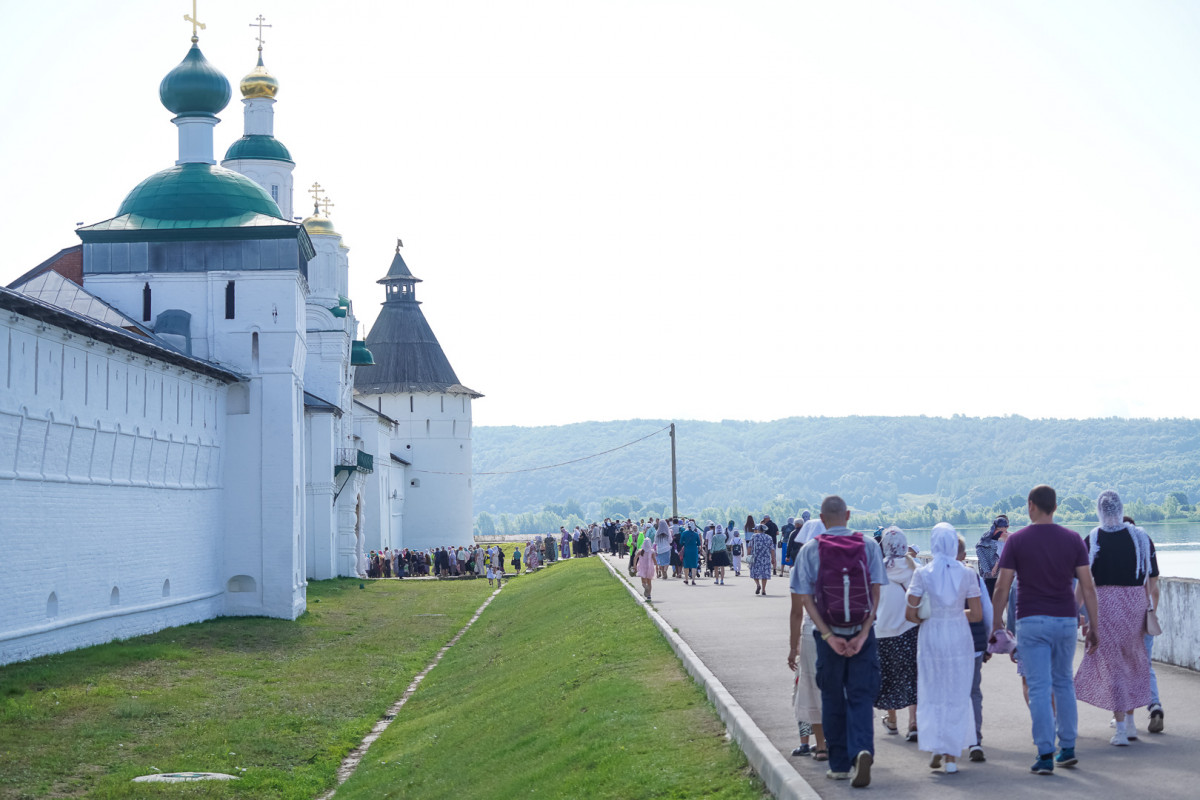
(111, 484)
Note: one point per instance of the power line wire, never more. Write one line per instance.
(550, 466)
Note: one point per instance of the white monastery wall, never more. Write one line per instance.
(434, 434)
(110, 481)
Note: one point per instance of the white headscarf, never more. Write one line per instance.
(809, 531)
(662, 539)
(1111, 511)
(944, 574)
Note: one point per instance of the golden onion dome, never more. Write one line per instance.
(259, 82)
(318, 225)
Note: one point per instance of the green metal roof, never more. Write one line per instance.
(260, 147)
(195, 87)
(198, 196)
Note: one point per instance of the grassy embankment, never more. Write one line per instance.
(562, 689)
(284, 701)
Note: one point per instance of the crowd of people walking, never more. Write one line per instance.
(873, 630)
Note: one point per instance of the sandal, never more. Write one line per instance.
(889, 726)
(820, 754)
(911, 736)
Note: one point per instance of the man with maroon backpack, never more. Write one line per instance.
(836, 582)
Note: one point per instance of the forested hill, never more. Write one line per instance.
(875, 463)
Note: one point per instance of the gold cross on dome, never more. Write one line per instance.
(196, 23)
(260, 24)
(315, 191)
(325, 204)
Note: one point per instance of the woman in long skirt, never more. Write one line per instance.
(762, 563)
(1116, 675)
(896, 636)
(945, 650)
(689, 541)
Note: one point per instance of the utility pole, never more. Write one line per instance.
(674, 479)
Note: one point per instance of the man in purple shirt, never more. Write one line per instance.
(1047, 559)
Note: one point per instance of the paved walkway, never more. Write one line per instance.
(743, 639)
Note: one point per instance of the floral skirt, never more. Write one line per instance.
(1117, 676)
(897, 671)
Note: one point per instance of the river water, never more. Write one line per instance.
(1177, 544)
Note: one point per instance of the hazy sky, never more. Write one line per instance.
(694, 210)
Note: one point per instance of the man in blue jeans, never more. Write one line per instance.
(1047, 559)
(847, 657)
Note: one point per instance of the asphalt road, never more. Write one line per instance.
(743, 639)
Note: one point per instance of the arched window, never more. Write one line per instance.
(52, 606)
(166, 588)
(114, 597)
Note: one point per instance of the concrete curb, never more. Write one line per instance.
(781, 778)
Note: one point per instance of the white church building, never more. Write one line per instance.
(189, 426)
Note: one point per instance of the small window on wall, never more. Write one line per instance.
(229, 300)
(415, 483)
(410, 404)
(146, 303)
(275, 192)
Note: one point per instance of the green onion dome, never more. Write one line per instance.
(199, 192)
(260, 147)
(195, 87)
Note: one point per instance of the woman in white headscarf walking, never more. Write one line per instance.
(1116, 675)
(896, 636)
(662, 549)
(945, 650)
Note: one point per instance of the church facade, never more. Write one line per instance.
(189, 425)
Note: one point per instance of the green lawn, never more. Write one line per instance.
(563, 689)
(283, 701)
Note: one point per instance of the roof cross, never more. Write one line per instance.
(260, 24)
(325, 204)
(196, 23)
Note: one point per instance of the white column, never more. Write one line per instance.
(196, 139)
(259, 116)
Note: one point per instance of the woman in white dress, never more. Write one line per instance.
(945, 650)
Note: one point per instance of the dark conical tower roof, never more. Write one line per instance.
(408, 357)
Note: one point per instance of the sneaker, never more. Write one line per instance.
(1130, 729)
(837, 776)
(951, 767)
(976, 754)
(1044, 765)
(862, 769)
(1112, 723)
(802, 750)
(1119, 739)
(1066, 757)
(1156, 719)
(935, 762)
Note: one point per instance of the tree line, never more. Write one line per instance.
(913, 471)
